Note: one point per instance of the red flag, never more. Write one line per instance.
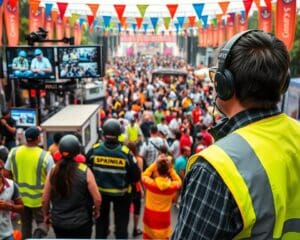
(242, 23)
(172, 9)
(62, 7)
(120, 8)
(247, 5)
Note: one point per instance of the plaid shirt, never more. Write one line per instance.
(208, 210)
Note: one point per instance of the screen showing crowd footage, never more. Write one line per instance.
(30, 62)
(24, 117)
(78, 62)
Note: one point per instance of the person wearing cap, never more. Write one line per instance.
(115, 169)
(40, 65)
(20, 65)
(29, 166)
(8, 129)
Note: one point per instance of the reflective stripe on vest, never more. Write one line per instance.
(251, 175)
(31, 193)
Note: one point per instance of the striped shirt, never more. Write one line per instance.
(208, 210)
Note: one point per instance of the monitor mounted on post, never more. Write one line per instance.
(30, 63)
(78, 62)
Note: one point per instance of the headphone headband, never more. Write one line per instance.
(226, 50)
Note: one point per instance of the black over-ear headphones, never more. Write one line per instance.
(224, 80)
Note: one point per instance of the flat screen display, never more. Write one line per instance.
(24, 117)
(78, 62)
(30, 62)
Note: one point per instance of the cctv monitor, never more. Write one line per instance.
(30, 63)
(78, 62)
(24, 117)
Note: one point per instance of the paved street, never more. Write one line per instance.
(111, 236)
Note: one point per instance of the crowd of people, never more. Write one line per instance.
(156, 143)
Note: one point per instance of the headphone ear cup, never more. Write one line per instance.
(224, 85)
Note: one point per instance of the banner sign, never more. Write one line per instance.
(150, 38)
(286, 21)
(11, 18)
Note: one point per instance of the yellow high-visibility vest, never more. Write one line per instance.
(260, 165)
(29, 172)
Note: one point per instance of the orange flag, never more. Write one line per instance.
(59, 30)
(224, 6)
(192, 21)
(94, 8)
(11, 20)
(286, 22)
(139, 21)
(36, 19)
(265, 19)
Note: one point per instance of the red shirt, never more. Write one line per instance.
(196, 114)
(185, 141)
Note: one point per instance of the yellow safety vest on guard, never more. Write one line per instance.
(29, 171)
(260, 164)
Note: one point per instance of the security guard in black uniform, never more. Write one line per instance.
(115, 169)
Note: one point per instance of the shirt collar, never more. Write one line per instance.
(226, 125)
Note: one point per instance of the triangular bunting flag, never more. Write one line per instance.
(34, 5)
(214, 21)
(145, 27)
(142, 9)
(62, 7)
(123, 22)
(198, 9)
(172, 9)
(219, 17)
(224, 6)
(192, 21)
(139, 21)
(133, 27)
(90, 19)
(167, 22)
(106, 21)
(81, 21)
(204, 19)
(73, 18)
(120, 8)
(48, 8)
(1, 2)
(231, 17)
(154, 21)
(94, 8)
(180, 21)
(247, 5)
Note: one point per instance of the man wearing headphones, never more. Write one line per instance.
(245, 185)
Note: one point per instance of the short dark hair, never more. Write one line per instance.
(163, 168)
(259, 63)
